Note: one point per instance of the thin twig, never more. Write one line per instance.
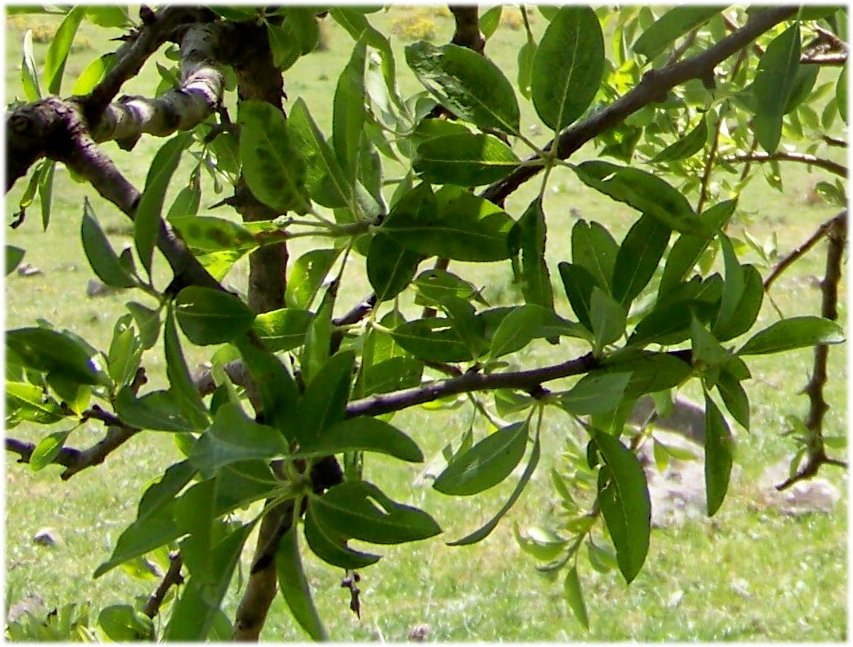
(172, 578)
(804, 247)
(780, 156)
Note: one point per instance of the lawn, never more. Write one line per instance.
(750, 573)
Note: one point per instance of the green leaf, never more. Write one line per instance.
(672, 25)
(307, 275)
(209, 316)
(841, 93)
(747, 309)
(775, 79)
(60, 45)
(156, 411)
(123, 623)
(331, 547)
(650, 372)
(147, 217)
(685, 146)
(205, 234)
(325, 400)
(47, 350)
(595, 393)
(92, 75)
(326, 181)
(486, 529)
(452, 224)
(432, 339)
(105, 16)
(608, 318)
(47, 449)
(29, 76)
(732, 287)
(490, 20)
(316, 350)
(795, 332)
(364, 434)
(282, 329)
(486, 464)
(361, 510)
(594, 250)
(390, 267)
(467, 83)
(393, 374)
(526, 56)
(528, 237)
(638, 258)
(29, 402)
(272, 165)
(524, 323)
(234, 437)
(46, 191)
(294, 586)
(578, 284)
(574, 596)
(14, 256)
(719, 451)
(276, 386)
(734, 397)
(465, 159)
(348, 111)
(99, 252)
(642, 191)
(624, 498)
(688, 248)
(568, 66)
(285, 50)
(147, 321)
(180, 380)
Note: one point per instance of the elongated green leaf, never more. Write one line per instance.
(686, 146)
(578, 284)
(349, 112)
(46, 191)
(608, 318)
(29, 77)
(733, 286)
(209, 234)
(774, 82)
(147, 217)
(747, 309)
(432, 339)
(272, 165)
(60, 45)
(595, 393)
(318, 339)
(638, 258)
(147, 321)
(734, 397)
(210, 316)
(390, 267)
(795, 332)
(467, 83)
(331, 547)
(364, 434)
(294, 586)
(568, 66)
(490, 20)
(624, 498)
(14, 256)
(650, 372)
(29, 402)
(47, 449)
(48, 350)
(391, 374)
(156, 411)
(642, 191)
(594, 250)
(528, 237)
(285, 50)
(324, 402)
(486, 464)
(574, 596)
(123, 623)
(92, 75)
(307, 275)
(464, 160)
(486, 529)
(525, 323)
(180, 380)
(841, 93)
(99, 252)
(673, 24)
(361, 510)
(719, 451)
(525, 58)
(326, 181)
(282, 329)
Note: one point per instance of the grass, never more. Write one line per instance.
(748, 574)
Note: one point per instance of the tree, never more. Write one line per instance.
(683, 107)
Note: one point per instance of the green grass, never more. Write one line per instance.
(748, 574)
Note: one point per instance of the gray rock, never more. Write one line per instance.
(687, 418)
(31, 604)
(46, 537)
(811, 495)
(94, 288)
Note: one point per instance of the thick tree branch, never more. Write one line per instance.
(652, 88)
(804, 247)
(467, 33)
(779, 156)
(834, 58)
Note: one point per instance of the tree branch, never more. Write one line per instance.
(467, 33)
(779, 156)
(652, 88)
(172, 578)
(804, 247)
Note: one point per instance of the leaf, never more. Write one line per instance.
(47, 350)
(525, 58)
(147, 216)
(285, 50)
(123, 623)
(307, 275)
(642, 191)
(432, 339)
(390, 267)
(608, 318)
(45, 188)
(147, 321)
(719, 450)
(524, 323)
(574, 596)
(156, 411)
(209, 316)
(331, 547)
(774, 82)
(325, 400)
(490, 20)
(595, 393)
(209, 234)
(732, 287)
(276, 386)
(841, 93)
(294, 586)
(624, 499)
(60, 45)
(795, 332)
(14, 256)
(528, 237)
(180, 380)
(393, 374)
(467, 83)
(465, 160)
(348, 110)
(318, 340)
(578, 284)
(685, 146)
(594, 250)
(100, 254)
(638, 258)
(92, 75)
(364, 434)
(29, 402)
(734, 397)
(104, 16)
(272, 165)
(282, 329)
(670, 26)
(486, 529)
(650, 372)
(568, 66)
(326, 181)
(451, 224)
(47, 449)
(747, 309)
(29, 76)
(486, 464)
